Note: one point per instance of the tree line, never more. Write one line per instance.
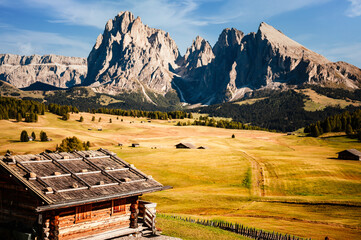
(347, 122)
(141, 113)
(211, 122)
(27, 110)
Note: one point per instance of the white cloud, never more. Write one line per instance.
(25, 42)
(350, 53)
(354, 9)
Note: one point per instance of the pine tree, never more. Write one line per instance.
(327, 126)
(93, 119)
(81, 119)
(99, 119)
(24, 137)
(349, 130)
(33, 136)
(233, 136)
(19, 118)
(43, 136)
(110, 120)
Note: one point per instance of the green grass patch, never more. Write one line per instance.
(192, 231)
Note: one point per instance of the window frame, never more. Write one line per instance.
(83, 213)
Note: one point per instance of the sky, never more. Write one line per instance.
(70, 27)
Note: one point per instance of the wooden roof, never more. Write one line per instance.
(68, 179)
(187, 145)
(352, 151)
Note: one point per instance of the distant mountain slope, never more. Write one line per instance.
(58, 71)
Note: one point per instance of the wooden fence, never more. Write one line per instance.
(239, 229)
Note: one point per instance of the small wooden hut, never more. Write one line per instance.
(202, 147)
(78, 195)
(185, 145)
(350, 154)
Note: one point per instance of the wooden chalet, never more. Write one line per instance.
(185, 145)
(78, 195)
(350, 154)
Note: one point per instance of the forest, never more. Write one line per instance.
(348, 122)
(12, 108)
(281, 111)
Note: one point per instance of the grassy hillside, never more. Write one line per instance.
(289, 184)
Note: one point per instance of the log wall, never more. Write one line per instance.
(16, 203)
(102, 220)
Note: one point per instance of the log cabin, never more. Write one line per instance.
(349, 154)
(185, 145)
(78, 195)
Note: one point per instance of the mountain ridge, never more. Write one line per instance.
(130, 57)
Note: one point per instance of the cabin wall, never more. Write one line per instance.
(66, 226)
(348, 156)
(16, 202)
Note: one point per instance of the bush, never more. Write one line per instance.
(72, 143)
(81, 119)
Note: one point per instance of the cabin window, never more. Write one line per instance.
(83, 213)
(119, 206)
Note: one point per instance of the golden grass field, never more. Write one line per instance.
(296, 184)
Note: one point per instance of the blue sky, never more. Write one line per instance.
(70, 27)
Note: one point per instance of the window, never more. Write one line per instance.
(83, 213)
(119, 206)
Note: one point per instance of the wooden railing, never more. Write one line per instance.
(149, 220)
(148, 213)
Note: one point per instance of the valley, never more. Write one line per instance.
(290, 184)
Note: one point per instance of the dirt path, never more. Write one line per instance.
(258, 180)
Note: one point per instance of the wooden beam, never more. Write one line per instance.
(56, 162)
(100, 169)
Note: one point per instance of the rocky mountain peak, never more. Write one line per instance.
(229, 37)
(130, 56)
(199, 54)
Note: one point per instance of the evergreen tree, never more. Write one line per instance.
(349, 130)
(19, 118)
(24, 137)
(233, 136)
(99, 119)
(33, 136)
(43, 136)
(65, 116)
(110, 120)
(93, 118)
(81, 119)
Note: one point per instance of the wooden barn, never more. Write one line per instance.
(185, 145)
(350, 154)
(78, 195)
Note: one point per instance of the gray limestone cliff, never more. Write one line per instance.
(266, 59)
(59, 71)
(130, 56)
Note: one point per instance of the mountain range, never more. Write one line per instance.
(130, 57)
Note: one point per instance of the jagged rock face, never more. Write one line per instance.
(266, 59)
(59, 71)
(130, 56)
